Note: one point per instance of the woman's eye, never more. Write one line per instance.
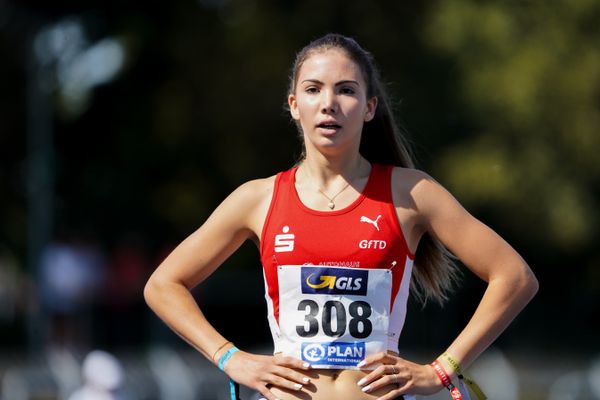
(347, 90)
(312, 90)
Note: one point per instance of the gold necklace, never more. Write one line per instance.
(331, 203)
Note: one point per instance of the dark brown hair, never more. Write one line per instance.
(382, 142)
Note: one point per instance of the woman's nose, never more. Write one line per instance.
(329, 103)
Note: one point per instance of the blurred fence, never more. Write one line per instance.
(164, 373)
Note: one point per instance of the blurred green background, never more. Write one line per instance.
(123, 125)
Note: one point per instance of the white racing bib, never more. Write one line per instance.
(333, 317)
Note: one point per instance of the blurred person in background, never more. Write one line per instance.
(72, 273)
(103, 378)
(341, 237)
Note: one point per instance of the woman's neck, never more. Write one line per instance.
(327, 171)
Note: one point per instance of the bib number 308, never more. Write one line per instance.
(334, 319)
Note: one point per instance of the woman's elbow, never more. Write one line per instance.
(148, 291)
(151, 291)
(528, 283)
(534, 284)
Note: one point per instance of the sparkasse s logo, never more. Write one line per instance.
(284, 242)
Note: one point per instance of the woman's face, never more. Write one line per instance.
(330, 102)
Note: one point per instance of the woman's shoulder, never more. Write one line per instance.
(417, 185)
(256, 190)
(411, 178)
(421, 190)
(250, 202)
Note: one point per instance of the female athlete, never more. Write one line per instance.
(341, 235)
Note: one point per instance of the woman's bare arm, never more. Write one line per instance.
(511, 283)
(168, 289)
(238, 218)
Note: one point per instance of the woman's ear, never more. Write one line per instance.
(371, 108)
(293, 107)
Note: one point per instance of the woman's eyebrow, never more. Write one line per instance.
(312, 81)
(346, 81)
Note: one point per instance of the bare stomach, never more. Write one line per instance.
(327, 384)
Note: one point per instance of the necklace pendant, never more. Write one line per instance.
(331, 205)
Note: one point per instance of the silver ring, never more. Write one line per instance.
(393, 369)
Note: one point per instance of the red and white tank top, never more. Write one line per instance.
(365, 234)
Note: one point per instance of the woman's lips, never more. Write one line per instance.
(329, 129)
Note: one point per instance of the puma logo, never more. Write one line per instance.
(370, 221)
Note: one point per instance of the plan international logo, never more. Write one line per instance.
(327, 280)
(334, 353)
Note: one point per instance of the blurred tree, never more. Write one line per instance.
(529, 81)
(500, 98)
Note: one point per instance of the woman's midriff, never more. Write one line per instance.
(328, 384)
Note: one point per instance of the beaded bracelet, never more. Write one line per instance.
(217, 350)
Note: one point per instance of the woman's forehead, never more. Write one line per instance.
(330, 64)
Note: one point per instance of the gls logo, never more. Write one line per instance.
(331, 281)
(328, 280)
(284, 242)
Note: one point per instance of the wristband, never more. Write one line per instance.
(470, 383)
(225, 357)
(234, 388)
(455, 364)
(474, 387)
(441, 373)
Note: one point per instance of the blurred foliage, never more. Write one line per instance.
(501, 100)
(529, 80)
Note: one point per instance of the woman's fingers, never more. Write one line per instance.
(382, 358)
(400, 378)
(291, 375)
(277, 381)
(391, 371)
(291, 362)
(261, 372)
(385, 380)
(281, 382)
(375, 374)
(388, 365)
(287, 366)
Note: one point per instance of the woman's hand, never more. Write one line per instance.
(261, 372)
(409, 378)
